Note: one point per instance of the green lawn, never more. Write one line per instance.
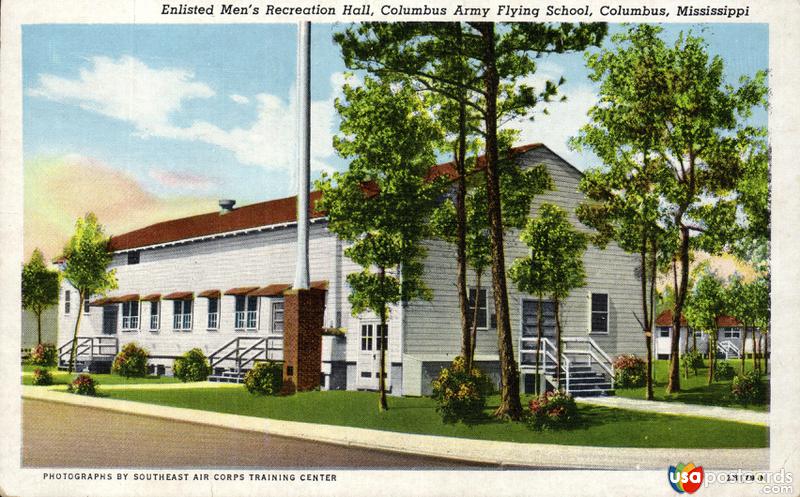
(695, 389)
(62, 378)
(601, 426)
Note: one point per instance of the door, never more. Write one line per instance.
(110, 319)
(368, 367)
(530, 329)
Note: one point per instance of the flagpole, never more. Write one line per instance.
(301, 280)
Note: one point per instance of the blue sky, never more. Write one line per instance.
(207, 110)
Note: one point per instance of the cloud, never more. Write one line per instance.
(182, 180)
(59, 189)
(564, 119)
(128, 90)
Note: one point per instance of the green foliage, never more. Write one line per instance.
(131, 361)
(460, 395)
(692, 360)
(191, 366)
(42, 377)
(553, 410)
(44, 354)
(555, 265)
(706, 303)
(83, 384)
(723, 371)
(748, 388)
(40, 286)
(629, 371)
(266, 378)
(87, 258)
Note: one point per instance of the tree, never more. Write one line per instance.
(697, 123)
(742, 305)
(87, 259)
(760, 295)
(40, 288)
(554, 268)
(381, 204)
(707, 302)
(493, 61)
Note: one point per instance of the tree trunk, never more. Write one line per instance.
(651, 322)
(646, 322)
(539, 374)
(558, 342)
(467, 347)
(474, 332)
(674, 384)
(712, 365)
(755, 353)
(74, 351)
(758, 343)
(39, 328)
(383, 332)
(694, 338)
(744, 345)
(766, 352)
(510, 405)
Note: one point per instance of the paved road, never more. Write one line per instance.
(60, 435)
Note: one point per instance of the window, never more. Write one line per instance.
(155, 315)
(599, 313)
(67, 297)
(277, 316)
(531, 319)
(482, 308)
(182, 315)
(698, 334)
(366, 337)
(86, 307)
(133, 257)
(130, 315)
(663, 331)
(381, 337)
(730, 332)
(246, 313)
(213, 313)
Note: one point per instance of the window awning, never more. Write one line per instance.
(103, 301)
(131, 297)
(274, 290)
(153, 297)
(242, 290)
(209, 294)
(179, 296)
(320, 285)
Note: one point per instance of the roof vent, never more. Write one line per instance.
(226, 205)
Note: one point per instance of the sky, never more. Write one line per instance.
(142, 123)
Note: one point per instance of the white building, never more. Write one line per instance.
(215, 281)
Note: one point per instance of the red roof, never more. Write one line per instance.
(665, 319)
(267, 213)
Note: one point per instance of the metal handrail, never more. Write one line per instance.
(262, 341)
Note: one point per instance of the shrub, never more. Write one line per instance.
(460, 395)
(192, 366)
(553, 410)
(748, 388)
(692, 360)
(42, 377)
(629, 371)
(723, 371)
(131, 361)
(266, 378)
(83, 385)
(44, 354)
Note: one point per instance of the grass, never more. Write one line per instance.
(600, 426)
(695, 389)
(63, 378)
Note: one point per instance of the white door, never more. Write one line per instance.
(369, 356)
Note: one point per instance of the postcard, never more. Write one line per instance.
(399, 248)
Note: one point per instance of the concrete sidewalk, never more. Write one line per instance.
(682, 409)
(483, 451)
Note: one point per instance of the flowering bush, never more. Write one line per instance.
(692, 360)
(44, 354)
(748, 388)
(629, 371)
(192, 366)
(83, 385)
(553, 410)
(266, 378)
(723, 371)
(42, 377)
(460, 395)
(131, 362)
